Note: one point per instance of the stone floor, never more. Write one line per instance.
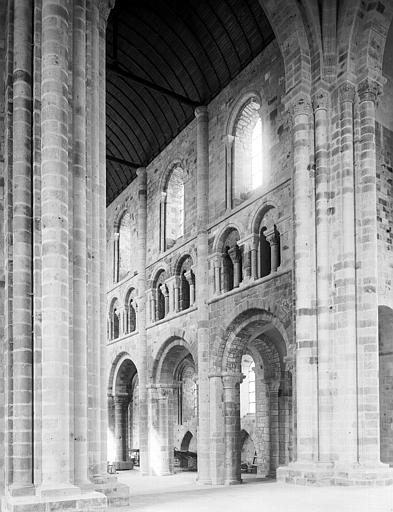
(180, 493)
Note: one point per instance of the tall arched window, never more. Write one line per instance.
(247, 155)
(172, 209)
(256, 155)
(124, 246)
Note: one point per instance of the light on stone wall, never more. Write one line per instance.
(256, 155)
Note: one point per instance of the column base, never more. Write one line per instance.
(233, 482)
(86, 502)
(318, 474)
(117, 494)
(121, 465)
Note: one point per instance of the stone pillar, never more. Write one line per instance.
(79, 241)
(122, 321)
(190, 279)
(115, 257)
(217, 430)
(231, 386)
(306, 344)
(217, 268)
(367, 348)
(273, 386)
(170, 285)
(202, 285)
(254, 256)
(274, 241)
(55, 249)
(306, 336)
(176, 292)
(165, 292)
(20, 469)
(344, 437)
(104, 9)
(228, 170)
(234, 254)
(262, 426)
(162, 222)
(151, 308)
(165, 427)
(94, 334)
(142, 319)
(120, 406)
(246, 245)
(320, 106)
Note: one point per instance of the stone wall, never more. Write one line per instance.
(269, 204)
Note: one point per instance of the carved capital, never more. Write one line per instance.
(234, 254)
(250, 242)
(164, 290)
(273, 385)
(231, 380)
(201, 112)
(301, 106)
(216, 258)
(320, 100)
(105, 7)
(369, 90)
(346, 92)
(273, 237)
(189, 276)
(289, 362)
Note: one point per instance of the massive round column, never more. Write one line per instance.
(306, 337)
(367, 354)
(21, 385)
(55, 231)
(231, 397)
(344, 438)
(79, 310)
(325, 424)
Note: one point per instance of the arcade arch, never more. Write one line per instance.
(173, 399)
(123, 412)
(254, 341)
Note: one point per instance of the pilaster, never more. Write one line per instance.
(202, 121)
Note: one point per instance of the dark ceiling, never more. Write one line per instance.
(164, 57)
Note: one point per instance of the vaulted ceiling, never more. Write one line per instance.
(163, 59)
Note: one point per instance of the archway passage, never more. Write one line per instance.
(173, 410)
(123, 435)
(385, 328)
(248, 453)
(257, 399)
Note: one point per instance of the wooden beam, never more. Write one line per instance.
(133, 165)
(115, 68)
